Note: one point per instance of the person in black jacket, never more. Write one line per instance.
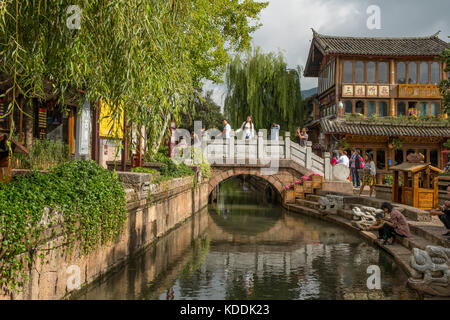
(355, 165)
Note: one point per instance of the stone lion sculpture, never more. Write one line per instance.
(431, 272)
(364, 217)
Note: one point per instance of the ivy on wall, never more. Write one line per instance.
(84, 200)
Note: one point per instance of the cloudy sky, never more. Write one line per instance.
(287, 25)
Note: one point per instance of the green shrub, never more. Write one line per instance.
(388, 180)
(85, 200)
(44, 155)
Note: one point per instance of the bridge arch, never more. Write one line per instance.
(219, 177)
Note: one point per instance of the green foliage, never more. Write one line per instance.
(397, 143)
(447, 143)
(445, 83)
(202, 109)
(200, 160)
(153, 172)
(44, 155)
(342, 144)
(148, 56)
(388, 180)
(261, 85)
(86, 201)
(169, 170)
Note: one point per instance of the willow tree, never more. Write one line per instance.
(263, 86)
(147, 56)
(444, 86)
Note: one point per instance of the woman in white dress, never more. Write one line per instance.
(248, 128)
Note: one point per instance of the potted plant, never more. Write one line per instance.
(307, 184)
(317, 181)
(397, 143)
(289, 194)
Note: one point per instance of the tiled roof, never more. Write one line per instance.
(384, 129)
(423, 46)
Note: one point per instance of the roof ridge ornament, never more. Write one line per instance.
(436, 34)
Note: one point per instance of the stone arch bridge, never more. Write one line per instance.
(279, 163)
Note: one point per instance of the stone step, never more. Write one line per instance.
(420, 238)
(312, 197)
(347, 214)
(433, 234)
(413, 242)
(304, 210)
(307, 204)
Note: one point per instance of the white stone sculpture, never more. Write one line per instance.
(340, 172)
(331, 202)
(364, 217)
(431, 272)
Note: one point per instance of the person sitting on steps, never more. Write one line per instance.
(395, 224)
(443, 213)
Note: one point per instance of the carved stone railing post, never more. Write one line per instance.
(308, 160)
(327, 167)
(287, 145)
(231, 142)
(260, 145)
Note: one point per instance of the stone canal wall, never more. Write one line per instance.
(153, 210)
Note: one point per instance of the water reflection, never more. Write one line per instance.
(243, 249)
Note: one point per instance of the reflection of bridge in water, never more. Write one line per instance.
(286, 230)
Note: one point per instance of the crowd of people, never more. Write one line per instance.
(362, 169)
(248, 131)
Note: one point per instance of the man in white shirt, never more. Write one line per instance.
(344, 159)
(226, 130)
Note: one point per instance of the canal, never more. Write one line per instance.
(243, 248)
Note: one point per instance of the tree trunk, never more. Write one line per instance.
(157, 143)
(29, 123)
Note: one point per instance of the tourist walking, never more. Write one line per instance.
(395, 225)
(443, 213)
(303, 136)
(275, 132)
(226, 132)
(355, 165)
(248, 128)
(334, 159)
(343, 159)
(369, 172)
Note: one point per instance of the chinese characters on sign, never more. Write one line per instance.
(418, 91)
(347, 91)
(365, 91)
(360, 91)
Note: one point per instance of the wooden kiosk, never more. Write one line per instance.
(420, 183)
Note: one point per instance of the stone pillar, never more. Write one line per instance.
(327, 167)
(230, 147)
(309, 155)
(287, 145)
(260, 145)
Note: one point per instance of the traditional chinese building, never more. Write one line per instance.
(379, 95)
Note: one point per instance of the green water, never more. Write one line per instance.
(244, 248)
